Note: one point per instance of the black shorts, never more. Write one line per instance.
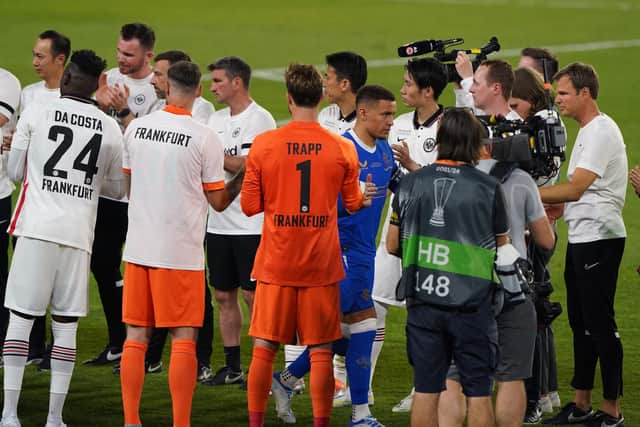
(230, 261)
(436, 336)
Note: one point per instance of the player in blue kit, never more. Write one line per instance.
(375, 108)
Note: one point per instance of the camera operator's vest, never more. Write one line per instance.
(446, 215)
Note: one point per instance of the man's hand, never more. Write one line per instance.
(369, 191)
(634, 176)
(463, 65)
(554, 211)
(6, 141)
(120, 96)
(401, 155)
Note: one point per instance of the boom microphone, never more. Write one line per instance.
(425, 46)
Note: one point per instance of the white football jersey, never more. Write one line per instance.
(331, 119)
(37, 92)
(171, 158)
(201, 112)
(9, 103)
(72, 148)
(142, 95)
(237, 134)
(420, 137)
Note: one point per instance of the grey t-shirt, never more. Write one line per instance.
(523, 203)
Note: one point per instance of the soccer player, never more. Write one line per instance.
(9, 101)
(294, 175)
(594, 197)
(50, 54)
(202, 111)
(448, 268)
(346, 73)
(413, 140)
(375, 107)
(125, 92)
(174, 166)
(67, 152)
(233, 237)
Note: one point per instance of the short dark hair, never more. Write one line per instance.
(581, 75)
(459, 136)
(60, 44)
(172, 56)
(427, 72)
(349, 66)
(304, 85)
(142, 32)
(185, 74)
(542, 56)
(233, 67)
(528, 85)
(499, 71)
(373, 93)
(88, 63)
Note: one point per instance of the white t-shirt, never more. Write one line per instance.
(331, 119)
(420, 137)
(37, 92)
(237, 134)
(9, 104)
(171, 158)
(201, 112)
(599, 148)
(72, 149)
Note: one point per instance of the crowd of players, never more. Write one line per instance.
(131, 158)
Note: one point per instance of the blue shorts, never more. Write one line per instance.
(356, 288)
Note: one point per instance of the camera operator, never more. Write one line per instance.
(537, 58)
(529, 99)
(449, 303)
(491, 91)
(413, 140)
(595, 194)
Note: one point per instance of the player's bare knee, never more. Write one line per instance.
(358, 316)
(227, 300)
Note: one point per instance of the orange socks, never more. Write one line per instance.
(322, 385)
(183, 371)
(259, 384)
(132, 379)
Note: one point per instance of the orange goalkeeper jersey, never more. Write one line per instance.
(294, 174)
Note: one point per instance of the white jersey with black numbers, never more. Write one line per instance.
(172, 160)
(420, 137)
(37, 92)
(9, 104)
(237, 133)
(332, 119)
(201, 112)
(72, 149)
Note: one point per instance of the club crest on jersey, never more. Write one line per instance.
(139, 99)
(388, 164)
(235, 133)
(429, 145)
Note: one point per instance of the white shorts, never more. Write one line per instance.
(388, 270)
(44, 273)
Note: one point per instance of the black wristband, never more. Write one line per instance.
(123, 113)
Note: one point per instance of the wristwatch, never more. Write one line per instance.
(123, 113)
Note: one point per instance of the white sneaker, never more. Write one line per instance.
(545, 404)
(282, 395)
(299, 387)
(341, 397)
(370, 398)
(555, 399)
(405, 404)
(10, 422)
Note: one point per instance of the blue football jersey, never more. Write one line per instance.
(358, 230)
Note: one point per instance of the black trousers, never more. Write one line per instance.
(106, 256)
(5, 217)
(591, 275)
